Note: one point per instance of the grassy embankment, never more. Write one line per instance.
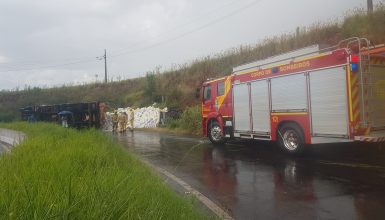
(189, 122)
(177, 85)
(68, 174)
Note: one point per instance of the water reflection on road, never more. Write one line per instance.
(255, 181)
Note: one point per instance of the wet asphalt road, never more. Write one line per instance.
(4, 147)
(9, 138)
(255, 181)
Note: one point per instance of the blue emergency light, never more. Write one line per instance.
(354, 67)
(354, 63)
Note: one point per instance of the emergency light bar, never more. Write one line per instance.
(354, 62)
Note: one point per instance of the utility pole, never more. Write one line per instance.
(297, 37)
(105, 64)
(370, 6)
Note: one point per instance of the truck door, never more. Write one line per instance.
(207, 100)
(260, 106)
(329, 107)
(221, 101)
(241, 105)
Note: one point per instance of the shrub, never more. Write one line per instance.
(190, 120)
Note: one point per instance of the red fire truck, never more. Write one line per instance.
(308, 96)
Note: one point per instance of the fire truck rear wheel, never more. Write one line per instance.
(291, 139)
(215, 133)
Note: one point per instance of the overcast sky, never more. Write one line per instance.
(51, 42)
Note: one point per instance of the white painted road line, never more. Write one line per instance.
(206, 201)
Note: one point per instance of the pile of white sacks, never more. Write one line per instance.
(147, 117)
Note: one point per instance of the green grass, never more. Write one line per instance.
(190, 121)
(68, 174)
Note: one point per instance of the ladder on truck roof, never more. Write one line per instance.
(354, 43)
(280, 59)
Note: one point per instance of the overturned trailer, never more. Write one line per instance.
(78, 115)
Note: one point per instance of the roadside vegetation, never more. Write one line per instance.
(175, 87)
(69, 174)
(189, 122)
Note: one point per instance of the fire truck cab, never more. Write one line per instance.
(308, 96)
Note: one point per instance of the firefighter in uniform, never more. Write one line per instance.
(131, 119)
(122, 118)
(115, 122)
(125, 120)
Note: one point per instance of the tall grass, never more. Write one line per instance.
(190, 121)
(68, 174)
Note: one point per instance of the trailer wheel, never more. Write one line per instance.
(215, 133)
(291, 139)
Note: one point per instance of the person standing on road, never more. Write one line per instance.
(122, 118)
(125, 120)
(115, 122)
(64, 121)
(132, 119)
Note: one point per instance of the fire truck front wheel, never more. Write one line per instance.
(291, 138)
(215, 133)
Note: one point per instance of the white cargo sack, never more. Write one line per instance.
(147, 117)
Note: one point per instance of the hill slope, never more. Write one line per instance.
(176, 87)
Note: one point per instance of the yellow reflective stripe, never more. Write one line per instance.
(350, 95)
(213, 80)
(312, 57)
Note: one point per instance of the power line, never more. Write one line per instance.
(49, 66)
(189, 32)
(217, 9)
(31, 64)
(150, 46)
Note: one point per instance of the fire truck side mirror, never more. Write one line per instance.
(197, 93)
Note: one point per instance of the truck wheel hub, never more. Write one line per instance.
(290, 140)
(216, 133)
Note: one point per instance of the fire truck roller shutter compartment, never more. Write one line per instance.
(241, 107)
(329, 107)
(260, 106)
(289, 93)
(377, 100)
